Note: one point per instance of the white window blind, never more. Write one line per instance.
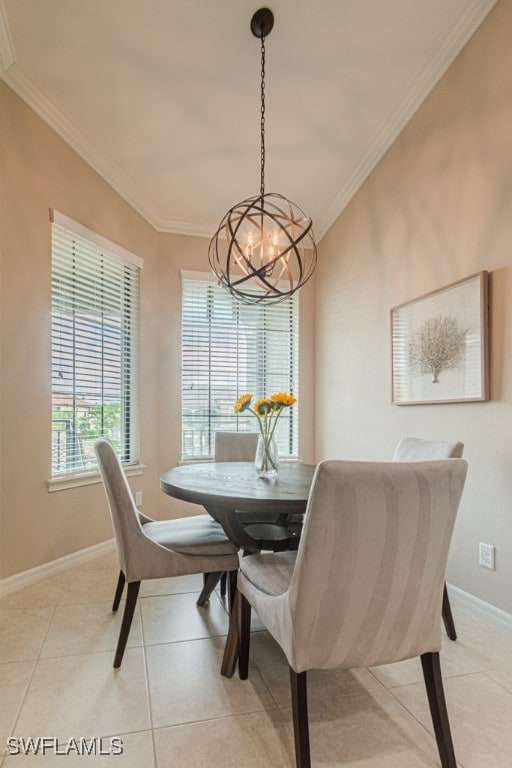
(95, 336)
(229, 349)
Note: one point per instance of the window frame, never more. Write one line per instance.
(291, 416)
(121, 261)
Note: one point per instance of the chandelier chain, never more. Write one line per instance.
(262, 124)
(264, 249)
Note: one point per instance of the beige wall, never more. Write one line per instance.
(437, 209)
(39, 171)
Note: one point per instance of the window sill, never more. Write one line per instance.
(89, 478)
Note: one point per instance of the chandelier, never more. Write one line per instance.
(264, 249)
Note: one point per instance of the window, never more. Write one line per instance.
(95, 318)
(229, 349)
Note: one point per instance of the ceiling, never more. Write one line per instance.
(161, 97)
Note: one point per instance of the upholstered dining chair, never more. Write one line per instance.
(149, 549)
(272, 531)
(417, 449)
(365, 586)
(235, 446)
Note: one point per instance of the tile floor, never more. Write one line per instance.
(171, 708)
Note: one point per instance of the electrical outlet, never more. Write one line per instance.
(138, 499)
(487, 556)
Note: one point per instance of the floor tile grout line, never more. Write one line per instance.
(148, 688)
(169, 594)
(39, 658)
(503, 687)
(411, 714)
(374, 677)
(32, 673)
(208, 637)
(273, 698)
(430, 733)
(148, 685)
(152, 728)
(231, 716)
(445, 677)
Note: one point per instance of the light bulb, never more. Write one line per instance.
(248, 249)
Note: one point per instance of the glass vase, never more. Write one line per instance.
(267, 458)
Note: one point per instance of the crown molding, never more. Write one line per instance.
(127, 187)
(94, 157)
(7, 57)
(194, 229)
(44, 107)
(430, 76)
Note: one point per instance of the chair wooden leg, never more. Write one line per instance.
(298, 681)
(119, 591)
(449, 624)
(436, 700)
(223, 581)
(233, 575)
(244, 635)
(210, 582)
(230, 655)
(131, 601)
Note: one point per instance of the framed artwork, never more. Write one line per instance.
(440, 346)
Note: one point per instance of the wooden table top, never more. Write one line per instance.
(236, 485)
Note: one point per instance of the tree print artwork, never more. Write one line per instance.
(438, 345)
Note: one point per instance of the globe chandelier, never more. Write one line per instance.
(264, 249)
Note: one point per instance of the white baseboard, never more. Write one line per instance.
(25, 578)
(480, 605)
(40, 572)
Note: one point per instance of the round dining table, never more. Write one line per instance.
(229, 489)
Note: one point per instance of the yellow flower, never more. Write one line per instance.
(242, 403)
(283, 399)
(262, 407)
(267, 411)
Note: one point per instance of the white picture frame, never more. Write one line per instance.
(440, 345)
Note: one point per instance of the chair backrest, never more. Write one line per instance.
(124, 513)
(368, 580)
(417, 449)
(235, 446)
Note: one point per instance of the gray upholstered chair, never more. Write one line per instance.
(235, 446)
(417, 449)
(365, 587)
(149, 549)
(270, 531)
